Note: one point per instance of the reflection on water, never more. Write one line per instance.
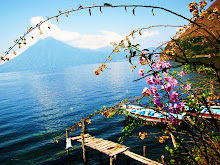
(37, 106)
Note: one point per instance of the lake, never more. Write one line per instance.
(37, 106)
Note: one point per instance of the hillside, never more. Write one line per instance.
(212, 25)
(197, 45)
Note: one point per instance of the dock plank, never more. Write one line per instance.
(140, 158)
(111, 148)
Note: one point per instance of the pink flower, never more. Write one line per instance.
(141, 72)
(157, 65)
(150, 80)
(181, 74)
(168, 78)
(167, 87)
(158, 77)
(153, 89)
(174, 96)
(156, 95)
(158, 80)
(165, 74)
(166, 64)
(180, 107)
(174, 82)
(188, 87)
(142, 61)
(183, 86)
(158, 102)
(156, 55)
(146, 92)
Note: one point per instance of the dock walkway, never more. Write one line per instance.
(111, 149)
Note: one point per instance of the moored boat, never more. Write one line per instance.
(148, 114)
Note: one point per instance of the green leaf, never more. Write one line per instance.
(149, 56)
(153, 12)
(134, 11)
(172, 161)
(107, 4)
(130, 60)
(133, 53)
(197, 158)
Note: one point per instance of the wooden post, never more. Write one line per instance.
(144, 151)
(128, 160)
(211, 85)
(83, 143)
(173, 139)
(100, 155)
(111, 160)
(67, 136)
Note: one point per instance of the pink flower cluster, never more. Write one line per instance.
(150, 80)
(142, 59)
(170, 79)
(188, 87)
(167, 85)
(161, 64)
(146, 92)
(151, 91)
(158, 102)
(176, 108)
(181, 74)
(174, 96)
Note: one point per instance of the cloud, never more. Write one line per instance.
(96, 41)
(178, 28)
(148, 34)
(75, 39)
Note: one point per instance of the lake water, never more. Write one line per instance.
(37, 106)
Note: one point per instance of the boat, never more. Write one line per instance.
(148, 114)
(204, 113)
(152, 115)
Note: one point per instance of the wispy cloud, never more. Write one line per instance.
(74, 39)
(148, 34)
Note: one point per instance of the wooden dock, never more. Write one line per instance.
(111, 148)
(105, 146)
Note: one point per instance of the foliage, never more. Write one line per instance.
(195, 46)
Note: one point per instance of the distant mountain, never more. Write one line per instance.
(50, 53)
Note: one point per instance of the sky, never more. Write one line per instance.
(80, 29)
